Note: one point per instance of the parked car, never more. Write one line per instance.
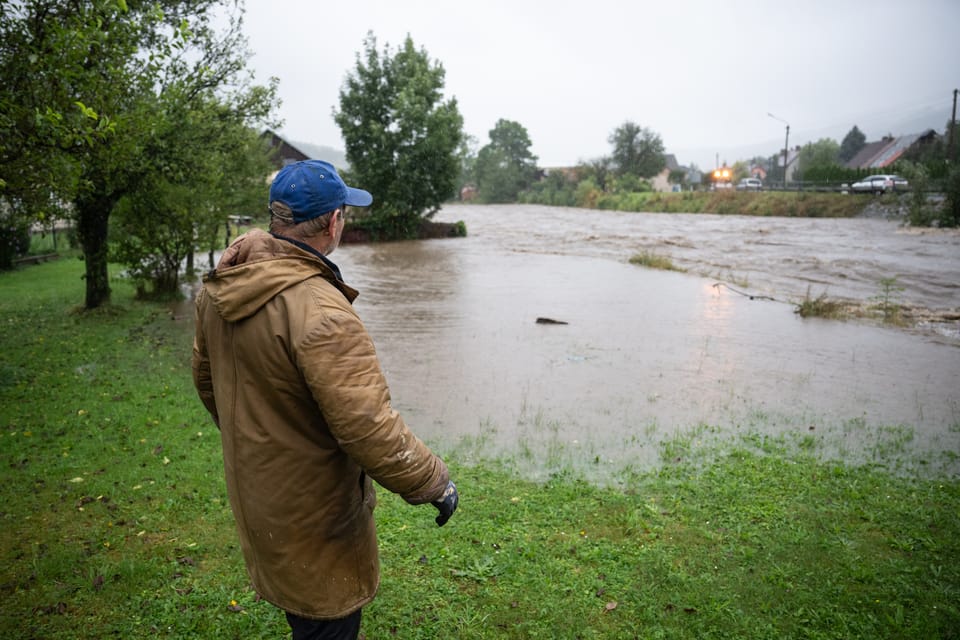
(749, 184)
(881, 183)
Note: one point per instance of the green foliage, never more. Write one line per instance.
(91, 85)
(629, 183)
(208, 165)
(852, 143)
(740, 170)
(14, 238)
(403, 141)
(459, 229)
(921, 211)
(599, 171)
(505, 166)
(637, 150)
(887, 301)
(678, 176)
(654, 261)
(820, 307)
(555, 188)
(951, 211)
(467, 153)
(822, 153)
(587, 193)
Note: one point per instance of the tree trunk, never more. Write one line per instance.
(93, 214)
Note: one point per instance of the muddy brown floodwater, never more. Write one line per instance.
(652, 356)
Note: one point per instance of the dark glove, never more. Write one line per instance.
(447, 503)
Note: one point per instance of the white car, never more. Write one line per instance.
(749, 184)
(881, 183)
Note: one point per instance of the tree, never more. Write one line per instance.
(467, 153)
(678, 176)
(402, 139)
(212, 166)
(637, 150)
(600, 170)
(819, 154)
(851, 145)
(505, 166)
(87, 84)
(741, 170)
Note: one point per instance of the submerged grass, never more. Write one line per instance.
(821, 307)
(115, 519)
(654, 261)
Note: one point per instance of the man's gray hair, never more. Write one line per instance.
(281, 221)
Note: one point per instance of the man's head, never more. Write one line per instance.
(312, 188)
(305, 195)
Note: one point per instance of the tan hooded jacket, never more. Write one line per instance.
(288, 372)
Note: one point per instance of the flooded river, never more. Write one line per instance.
(650, 356)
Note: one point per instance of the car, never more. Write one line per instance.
(880, 183)
(749, 184)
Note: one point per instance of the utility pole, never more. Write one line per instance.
(786, 147)
(953, 125)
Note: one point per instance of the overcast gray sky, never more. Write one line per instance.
(703, 75)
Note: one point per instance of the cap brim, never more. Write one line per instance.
(358, 197)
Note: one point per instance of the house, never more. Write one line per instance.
(884, 152)
(793, 164)
(868, 153)
(661, 181)
(287, 152)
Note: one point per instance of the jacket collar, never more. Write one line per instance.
(303, 245)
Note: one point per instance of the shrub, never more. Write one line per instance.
(950, 214)
(820, 307)
(14, 242)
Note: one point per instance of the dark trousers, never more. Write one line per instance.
(341, 629)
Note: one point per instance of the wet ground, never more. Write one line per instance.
(649, 356)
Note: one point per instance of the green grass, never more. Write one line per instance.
(115, 520)
(654, 261)
(765, 203)
(821, 307)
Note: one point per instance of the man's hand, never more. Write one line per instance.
(447, 503)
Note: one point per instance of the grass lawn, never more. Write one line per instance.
(115, 521)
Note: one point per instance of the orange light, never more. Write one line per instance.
(716, 174)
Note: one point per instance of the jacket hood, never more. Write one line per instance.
(256, 267)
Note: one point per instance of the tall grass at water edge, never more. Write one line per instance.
(115, 520)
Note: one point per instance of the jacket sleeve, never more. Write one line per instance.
(200, 362)
(339, 364)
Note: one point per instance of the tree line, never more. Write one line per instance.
(139, 121)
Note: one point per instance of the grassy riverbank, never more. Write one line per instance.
(115, 520)
(799, 204)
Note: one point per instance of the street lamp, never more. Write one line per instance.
(786, 147)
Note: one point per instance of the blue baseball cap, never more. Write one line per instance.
(312, 188)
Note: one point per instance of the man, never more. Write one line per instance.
(291, 378)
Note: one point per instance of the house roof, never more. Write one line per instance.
(869, 151)
(883, 153)
(289, 151)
